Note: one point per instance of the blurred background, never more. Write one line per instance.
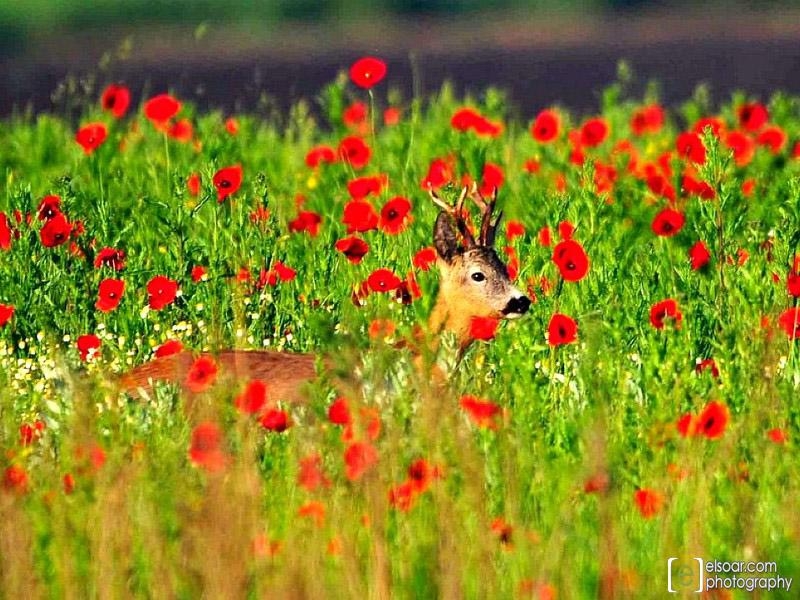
(249, 54)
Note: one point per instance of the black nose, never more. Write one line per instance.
(518, 305)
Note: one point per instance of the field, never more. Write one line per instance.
(644, 408)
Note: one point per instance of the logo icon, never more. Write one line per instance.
(685, 576)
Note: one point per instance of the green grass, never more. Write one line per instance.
(150, 523)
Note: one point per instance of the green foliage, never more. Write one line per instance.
(509, 512)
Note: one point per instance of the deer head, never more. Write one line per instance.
(474, 281)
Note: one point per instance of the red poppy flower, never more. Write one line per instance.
(49, 207)
(311, 475)
(231, 126)
(198, 273)
(694, 187)
(408, 290)
(202, 374)
(468, 119)
(29, 432)
(307, 221)
(359, 458)
(116, 99)
(483, 328)
(752, 116)
(648, 119)
(420, 475)
(205, 450)
(88, 346)
(565, 230)
(545, 237)
(69, 483)
(5, 232)
(367, 72)
(666, 309)
(182, 131)
(320, 154)
(708, 364)
(110, 257)
(91, 136)
(391, 116)
(361, 187)
(777, 435)
(354, 150)
(743, 147)
(275, 419)
(109, 294)
(713, 420)
(169, 348)
(283, 271)
(514, 229)
(482, 412)
(649, 502)
(773, 138)
(668, 222)
(532, 166)
(686, 425)
(546, 126)
(253, 399)
(56, 231)
(227, 181)
(402, 496)
(161, 291)
(793, 284)
(660, 185)
(571, 260)
(313, 510)
(789, 321)
(339, 412)
(715, 123)
(594, 132)
(699, 255)
(512, 268)
(260, 214)
(265, 278)
(15, 479)
(424, 258)
(689, 145)
(503, 530)
(492, 179)
(561, 330)
(383, 280)
(395, 215)
(161, 108)
(464, 119)
(353, 248)
(355, 114)
(6, 312)
(597, 484)
(360, 215)
(440, 173)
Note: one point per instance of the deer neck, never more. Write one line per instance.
(449, 317)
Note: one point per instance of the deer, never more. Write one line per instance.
(473, 282)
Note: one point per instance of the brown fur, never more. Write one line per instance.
(285, 373)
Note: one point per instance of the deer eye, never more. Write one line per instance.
(478, 276)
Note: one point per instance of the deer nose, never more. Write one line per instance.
(518, 305)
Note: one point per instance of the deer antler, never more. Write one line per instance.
(457, 212)
(488, 227)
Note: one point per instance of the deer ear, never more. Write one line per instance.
(444, 237)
